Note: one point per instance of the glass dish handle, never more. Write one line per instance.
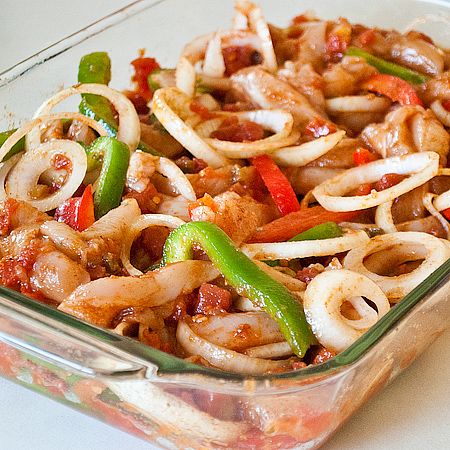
(87, 354)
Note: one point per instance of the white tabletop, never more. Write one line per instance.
(412, 413)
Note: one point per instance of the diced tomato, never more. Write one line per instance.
(294, 223)
(143, 67)
(318, 128)
(446, 105)
(388, 180)
(6, 212)
(364, 189)
(237, 57)
(367, 37)
(61, 162)
(338, 40)
(201, 110)
(153, 339)
(152, 240)
(188, 165)
(138, 101)
(446, 213)
(363, 156)
(212, 299)
(148, 200)
(77, 212)
(321, 354)
(278, 185)
(307, 274)
(206, 200)
(395, 88)
(235, 131)
(300, 19)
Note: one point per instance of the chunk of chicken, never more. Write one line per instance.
(343, 78)
(408, 129)
(307, 81)
(237, 216)
(437, 88)
(268, 92)
(140, 170)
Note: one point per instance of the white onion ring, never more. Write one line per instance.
(428, 203)
(278, 121)
(303, 249)
(129, 130)
(323, 299)
(185, 77)
(384, 219)
(25, 174)
(258, 25)
(5, 169)
(167, 105)
(214, 64)
(422, 166)
(300, 155)
(141, 223)
(33, 127)
(357, 103)
(269, 351)
(441, 113)
(435, 253)
(178, 179)
(223, 358)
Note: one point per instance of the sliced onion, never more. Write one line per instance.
(433, 250)
(33, 126)
(223, 358)
(421, 166)
(214, 64)
(323, 299)
(269, 351)
(174, 206)
(303, 249)
(293, 284)
(114, 224)
(258, 24)
(278, 121)
(204, 129)
(226, 330)
(441, 113)
(24, 177)
(428, 203)
(246, 305)
(216, 84)
(101, 300)
(177, 178)
(185, 77)
(167, 105)
(357, 103)
(5, 168)
(384, 219)
(300, 155)
(142, 222)
(129, 130)
(240, 21)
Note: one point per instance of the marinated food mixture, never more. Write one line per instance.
(255, 209)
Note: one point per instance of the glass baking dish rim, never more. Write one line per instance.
(168, 364)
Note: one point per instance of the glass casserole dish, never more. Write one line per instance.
(126, 383)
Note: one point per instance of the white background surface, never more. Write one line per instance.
(413, 413)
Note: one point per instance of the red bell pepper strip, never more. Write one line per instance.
(395, 88)
(294, 223)
(278, 185)
(363, 156)
(77, 212)
(446, 213)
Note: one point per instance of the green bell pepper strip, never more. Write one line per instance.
(245, 276)
(326, 230)
(114, 157)
(390, 68)
(96, 68)
(16, 148)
